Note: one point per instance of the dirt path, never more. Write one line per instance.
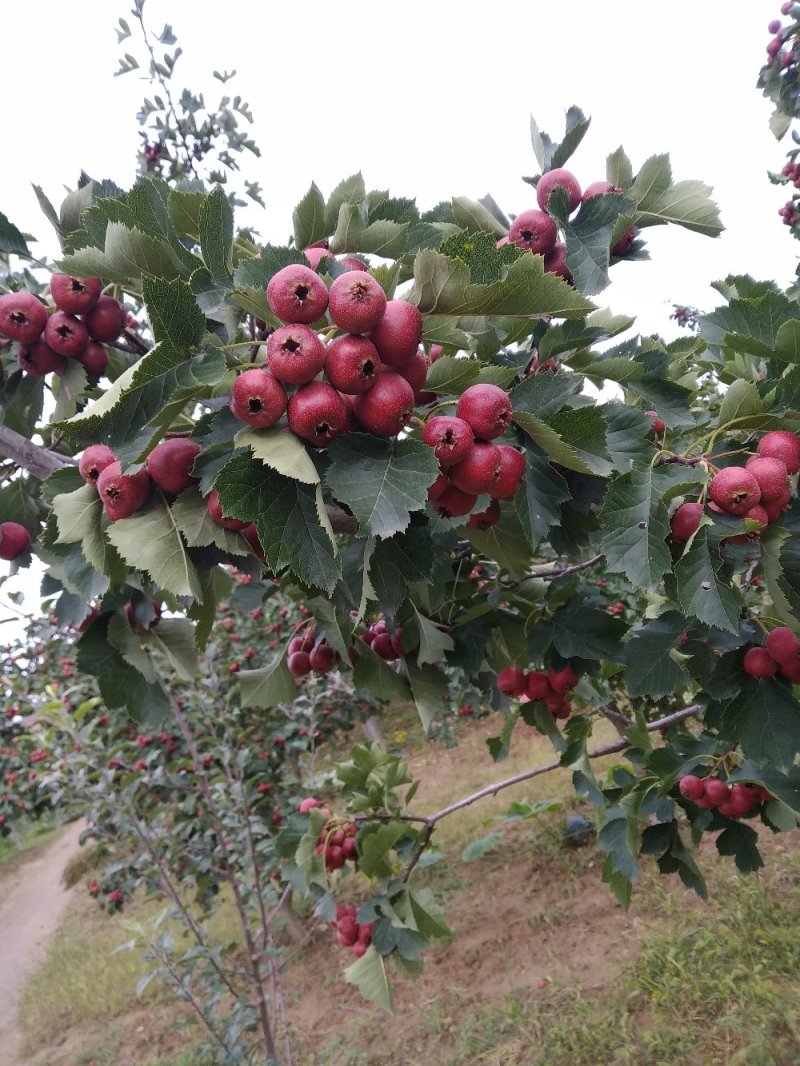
(29, 915)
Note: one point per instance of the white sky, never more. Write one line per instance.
(430, 100)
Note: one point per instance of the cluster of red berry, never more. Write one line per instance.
(374, 370)
(537, 232)
(168, 468)
(758, 491)
(548, 687)
(469, 464)
(388, 645)
(712, 793)
(306, 653)
(337, 842)
(350, 932)
(780, 654)
(780, 36)
(81, 322)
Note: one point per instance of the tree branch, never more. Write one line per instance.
(34, 458)
(551, 575)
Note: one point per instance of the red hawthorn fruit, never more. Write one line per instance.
(94, 461)
(486, 409)
(322, 658)
(780, 444)
(250, 534)
(14, 540)
(66, 334)
(352, 364)
(735, 490)
(555, 262)
(295, 354)
(758, 662)
(483, 520)
(123, 494)
(415, 371)
(599, 188)
(437, 488)
(771, 475)
(534, 231)
(105, 320)
(450, 437)
(659, 426)
(94, 360)
(685, 522)
(297, 294)
(790, 670)
(562, 681)
(397, 334)
(214, 508)
(479, 471)
(387, 407)
(757, 514)
(357, 301)
(782, 645)
(352, 262)
(299, 663)
(716, 791)
(453, 503)
(169, 464)
(511, 681)
(558, 179)
(39, 359)
(512, 471)
(623, 245)
(317, 413)
(74, 295)
(382, 645)
(742, 799)
(315, 255)
(257, 398)
(22, 317)
(151, 619)
(537, 686)
(691, 787)
(776, 509)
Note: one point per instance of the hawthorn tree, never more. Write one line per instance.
(386, 415)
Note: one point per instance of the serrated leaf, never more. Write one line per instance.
(190, 513)
(12, 241)
(374, 675)
(764, 718)
(216, 235)
(292, 527)
(582, 629)
(308, 219)
(649, 668)
(701, 593)
(281, 450)
(741, 400)
(375, 846)
(381, 481)
(433, 642)
(451, 375)
(637, 526)
(270, 686)
(428, 686)
(442, 286)
(127, 255)
(539, 498)
(550, 442)
(589, 236)
(368, 974)
(77, 513)
(478, 848)
(397, 561)
(686, 203)
(150, 541)
(577, 126)
(349, 191)
(474, 217)
(505, 542)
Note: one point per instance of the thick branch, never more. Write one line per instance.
(34, 458)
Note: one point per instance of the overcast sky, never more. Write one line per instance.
(430, 100)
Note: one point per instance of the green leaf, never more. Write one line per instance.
(772, 543)
(451, 375)
(12, 241)
(381, 481)
(398, 561)
(619, 171)
(637, 525)
(349, 191)
(290, 519)
(190, 513)
(582, 629)
(270, 686)
(428, 686)
(476, 849)
(686, 203)
(368, 974)
(308, 219)
(475, 218)
(281, 450)
(752, 325)
(583, 429)
(442, 286)
(374, 675)
(649, 668)
(151, 541)
(589, 236)
(627, 435)
(764, 718)
(701, 593)
(433, 642)
(487, 263)
(506, 542)
(383, 238)
(127, 256)
(619, 839)
(550, 442)
(77, 514)
(539, 498)
(216, 236)
(577, 126)
(741, 400)
(375, 846)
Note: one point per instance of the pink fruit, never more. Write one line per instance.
(512, 471)
(214, 508)
(123, 494)
(782, 644)
(758, 662)
(322, 658)
(437, 488)
(299, 663)
(562, 681)
(555, 262)
(558, 179)
(716, 791)
(623, 245)
(453, 503)
(415, 371)
(169, 464)
(258, 398)
(691, 787)
(105, 320)
(14, 540)
(450, 437)
(94, 461)
(295, 354)
(658, 425)
(352, 364)
(94, 360)
(479, 471)
(397, 334)
(297, 294)
(482, 520)
(317, 413)
(685, 521)
(357, 301)
(776, 509)
(599, 188)
(74, 295)
(734, 490)
(22, 317)
(39, 359)
(511, 680)
(537, 687)
(780, 444)
(387, 407)
(757, 514)
(316, 255)
(771, 475)
(535, 231)
(486, 409)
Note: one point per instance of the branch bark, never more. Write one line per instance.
(34, 458)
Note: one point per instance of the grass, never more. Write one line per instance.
(32, 837)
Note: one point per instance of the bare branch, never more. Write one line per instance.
(34, 458)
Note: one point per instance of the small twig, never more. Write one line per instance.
(34, 458)
(551, 575)
(620, 721)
